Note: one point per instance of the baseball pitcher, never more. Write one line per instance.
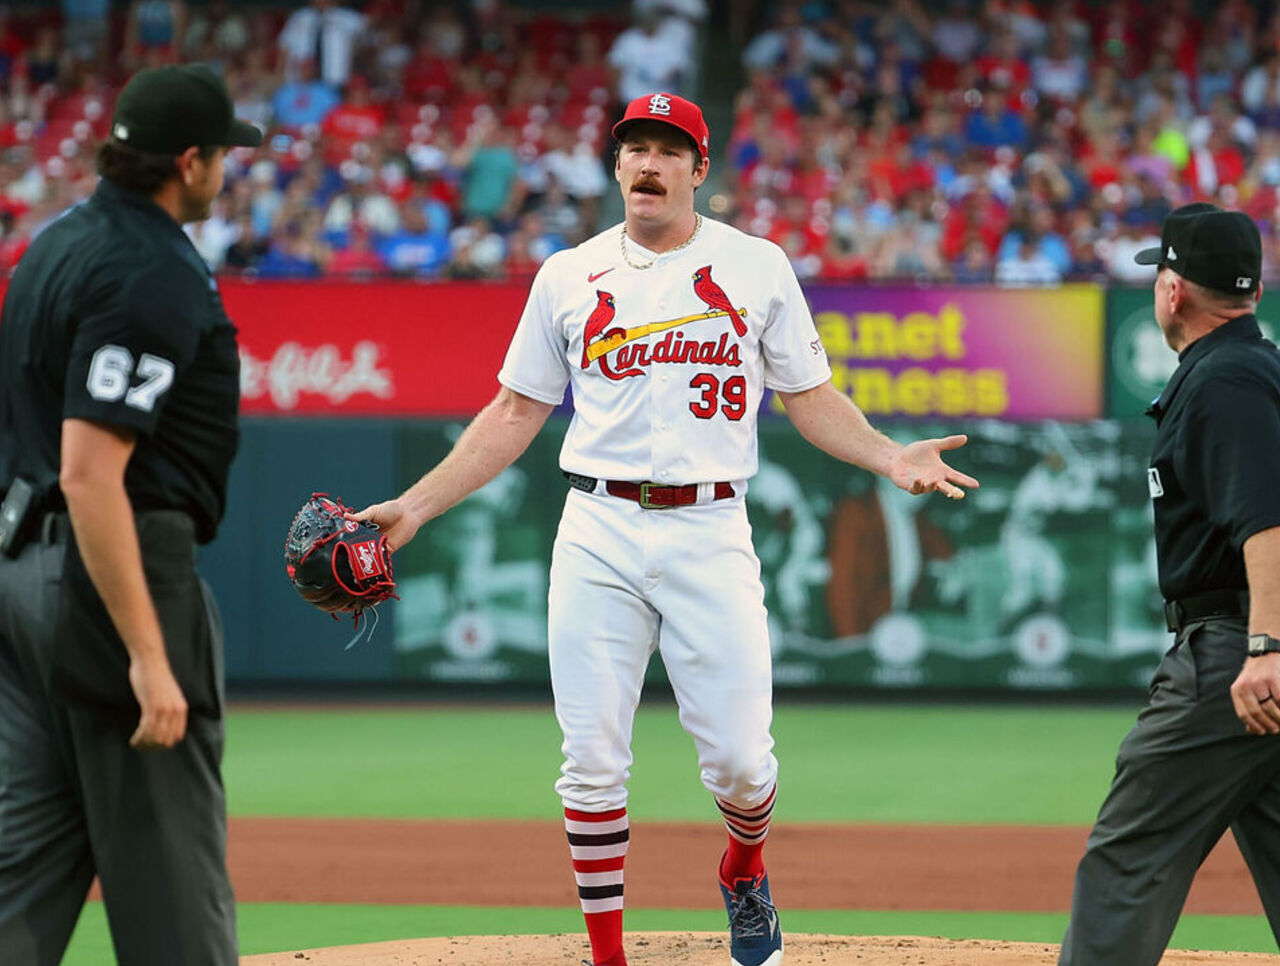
(669, 327)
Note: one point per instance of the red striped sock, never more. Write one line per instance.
(748, 828)
(598, 846)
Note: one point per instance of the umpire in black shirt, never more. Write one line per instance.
(119, 399)
(1204, 755)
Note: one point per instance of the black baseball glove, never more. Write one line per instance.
(336, 564)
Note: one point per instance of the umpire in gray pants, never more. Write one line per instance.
(119, 408)
(1204, 755)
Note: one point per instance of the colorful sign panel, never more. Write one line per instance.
(384, 348)
(435, 349)
(1139, 362)
(392, 348)
(965, 352)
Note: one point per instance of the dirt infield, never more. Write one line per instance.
(672, 866)
(702, 949)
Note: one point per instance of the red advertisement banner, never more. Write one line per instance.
(389, 348)
(362, 349)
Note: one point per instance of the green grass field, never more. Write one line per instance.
(904, 764)
(839, 764)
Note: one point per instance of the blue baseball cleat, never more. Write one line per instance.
(755, 938)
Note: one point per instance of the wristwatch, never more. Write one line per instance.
(1260, 644)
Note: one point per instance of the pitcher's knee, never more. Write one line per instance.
(592, 789)
(744, 780)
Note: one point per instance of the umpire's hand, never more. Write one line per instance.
(1255, 693)
(164, 709)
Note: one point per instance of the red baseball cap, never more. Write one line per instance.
(669, 109)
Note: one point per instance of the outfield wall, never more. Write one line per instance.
(1043, 579)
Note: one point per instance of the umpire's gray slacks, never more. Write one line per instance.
(76, 800)
(1185, 773)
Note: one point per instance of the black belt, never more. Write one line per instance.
(1198, 607)
(55, 527)
(651, 496)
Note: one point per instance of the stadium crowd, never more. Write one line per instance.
(1026, 143)
(966, 140)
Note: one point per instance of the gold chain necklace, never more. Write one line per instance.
(622, 242)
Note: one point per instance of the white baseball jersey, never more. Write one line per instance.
(669, 364)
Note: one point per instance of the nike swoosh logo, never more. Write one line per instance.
(592, 278)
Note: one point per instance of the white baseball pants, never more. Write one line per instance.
(686, 581)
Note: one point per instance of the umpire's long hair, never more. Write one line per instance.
(136, 170)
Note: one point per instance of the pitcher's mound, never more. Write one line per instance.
(706, 949)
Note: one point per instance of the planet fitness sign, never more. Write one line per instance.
(965, 352)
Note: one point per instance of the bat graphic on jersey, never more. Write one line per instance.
(711, 293)
(617, 337)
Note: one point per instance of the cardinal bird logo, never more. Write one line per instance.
(711, 293)
(598, 324)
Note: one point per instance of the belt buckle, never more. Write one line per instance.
(648, 504)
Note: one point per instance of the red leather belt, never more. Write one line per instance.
(651, 496)
(658, 496)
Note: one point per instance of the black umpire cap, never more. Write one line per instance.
(1218, 249)
(165, 110)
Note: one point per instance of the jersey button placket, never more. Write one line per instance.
(661, 447)
(661, 441)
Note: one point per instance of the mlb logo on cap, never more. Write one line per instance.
(1221, 250)
(668, 109)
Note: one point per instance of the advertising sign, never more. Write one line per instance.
(1139, 362)
(385, 348)
(965, 352)
(407, 348)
